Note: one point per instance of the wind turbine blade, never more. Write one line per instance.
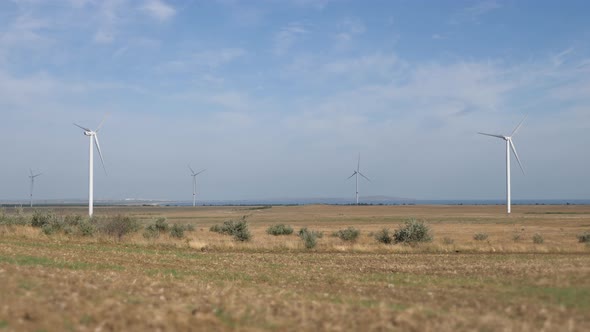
(499, 136)
(358, 165)
(518, 127)
(201, 171)
(192, 171)
(361, 174)
(77, 125)
(353, 174)
(31, 171)
(102, 122)
(516, 155)
(99, 152)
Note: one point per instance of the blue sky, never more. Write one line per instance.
(277, 98)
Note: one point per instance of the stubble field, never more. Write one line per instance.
(208, 281)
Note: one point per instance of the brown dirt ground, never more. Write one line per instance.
(207, 281)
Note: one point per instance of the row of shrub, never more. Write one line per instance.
(115, 226)
(160, 226)
(412, 232)
(238, 229)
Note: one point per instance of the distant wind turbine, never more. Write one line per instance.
(194, 175)
(92, 135)
(32, 177)
(509, 146)
(357, 173)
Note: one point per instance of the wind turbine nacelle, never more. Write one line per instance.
(88, 133)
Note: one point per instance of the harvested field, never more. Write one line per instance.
(208, 281)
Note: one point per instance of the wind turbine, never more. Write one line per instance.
(32, 177)
(357, 173)
(194, 175)
(509, 146)
(92, 135)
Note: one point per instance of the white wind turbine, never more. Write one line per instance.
(194, 175)
(509, 146)
(92, 135)
(357, 173)
(32, 177)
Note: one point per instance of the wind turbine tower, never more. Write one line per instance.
(509, 146)
(93, 138)
(194, 175)
(356, 174)
(32, 177)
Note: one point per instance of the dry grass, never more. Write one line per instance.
(208, 281)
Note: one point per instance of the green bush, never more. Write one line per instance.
(49, 223)
(86, 228)
(538, 238)
(584, 237)
(216, 228)
(412, 232)
(69, 229)
(349, 234)
(189, 227)
(16, 220)
(279, 229)
(480, 236)
(161, 225)
(40, 219)
(516, 237)
(151, 232)
(48, 229)
(237, 229)
(177, 231)
(117, 226)
(310, 238)
(383, 236)
(73, 220)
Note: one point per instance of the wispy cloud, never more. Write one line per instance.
(475, 12)
(207, 59)
(287, 36)
(108, 19)
(159, 10)
(348, 30)
(559, 58)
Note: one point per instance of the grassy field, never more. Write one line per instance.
(208, 281)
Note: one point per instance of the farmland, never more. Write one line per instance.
(209, 281)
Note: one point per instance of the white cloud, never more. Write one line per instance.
(287, 36)
(108, 18)
(159, 10)
(216, 58)
(559, 58)
(208, 59)
(315, 4)
(348, 30)
(475, 12)
(373, 64)
(104, 36)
